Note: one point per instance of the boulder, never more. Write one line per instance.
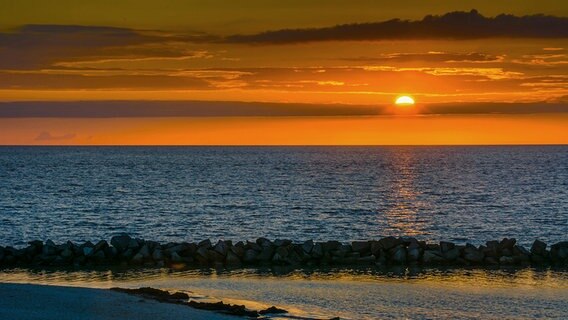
(88, 251)
(263, 242)
(432, 257)
(266, 253)
(157, 255)
(99, 256)
(559, 251)
(505, 260)
(221, 248)
(507, 244)
(307, 246)
(137, 259)
(238, 249)
(250, 256)
(205, 244)
(446, 246)
(538, 248)
(145, 252)
(101, 245)
(176, 258)
(361, 246)
(282, 242)
(331, 245)
(399, 254)
(232, 259)
(472, 254)
(317, 251)
(389, 243)
(452, 254)
(414, 254)
(120, 242)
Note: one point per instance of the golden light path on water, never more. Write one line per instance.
(348, 293)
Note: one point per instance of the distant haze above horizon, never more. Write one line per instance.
(295, 72)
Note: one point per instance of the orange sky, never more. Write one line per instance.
(88, 53)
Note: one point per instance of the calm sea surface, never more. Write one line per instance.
(345, 193)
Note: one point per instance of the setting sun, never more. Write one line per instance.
(404, 101)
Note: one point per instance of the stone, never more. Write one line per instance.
(133, 244)
(366, 259)
(99, 256)
(280, 242)
(145, 252)
(331, 245)
(101, 245)
(205, 244)
(491, 249)
(250, 256)
(157, 255)
(49, 248)
(399, 255)
(120, 242)
(389, 242)
(238, 249)
(452, 254)
(263, 242)
(414, 254)
(222, 248)
(446, 246)
(538, 248)
(375, 247)
(472, 254)
(177, 258)
(232, 259)
(272, 310)
(111, 252)
(137, 259)
(317, 250)
(67, 254)
(215, 256)
(505, 260)
(432, 257)
(307, 246)
(88, 251)
(507, 243)
(361, 246)
(282, 251)
(559, 251)
(266, 254)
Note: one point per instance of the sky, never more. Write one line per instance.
(283, 72)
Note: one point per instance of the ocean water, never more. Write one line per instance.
(364, 294)
(457, 193)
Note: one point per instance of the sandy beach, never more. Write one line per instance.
(35, 302)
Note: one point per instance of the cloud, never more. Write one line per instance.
(432, 56)
(33, 46)
(458, 25)
(148, 109)
(155, 109)
(47, 136)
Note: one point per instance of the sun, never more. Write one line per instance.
(404, 101)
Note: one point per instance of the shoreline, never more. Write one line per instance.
(47, 302)
(128, 252)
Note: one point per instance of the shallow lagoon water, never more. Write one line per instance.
(323, 193)
(348, 293)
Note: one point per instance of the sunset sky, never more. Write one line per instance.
(283, 72)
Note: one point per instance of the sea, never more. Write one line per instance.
(453, 193)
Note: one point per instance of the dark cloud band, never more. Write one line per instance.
(155, 109)
(454, 25)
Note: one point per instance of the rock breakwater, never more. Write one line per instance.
(128, 251)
